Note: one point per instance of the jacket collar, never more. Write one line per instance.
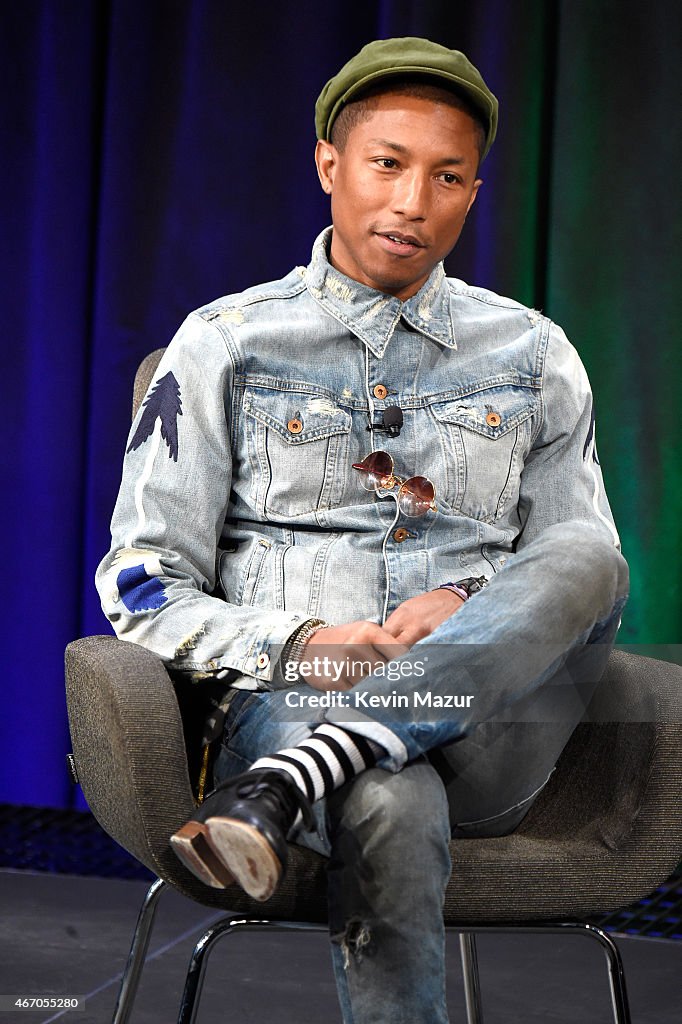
(372, 315)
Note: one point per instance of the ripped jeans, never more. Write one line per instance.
(467, 773)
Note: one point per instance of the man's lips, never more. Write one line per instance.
(400, 243)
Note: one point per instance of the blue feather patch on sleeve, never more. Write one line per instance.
(163, 403)
(138, 590)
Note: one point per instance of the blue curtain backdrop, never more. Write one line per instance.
(157, 155)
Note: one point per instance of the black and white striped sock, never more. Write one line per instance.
(323, 762)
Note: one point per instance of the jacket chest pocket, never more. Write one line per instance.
(486, 436)
(296, 443)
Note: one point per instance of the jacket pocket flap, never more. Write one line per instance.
(297, 417)
(492, 412)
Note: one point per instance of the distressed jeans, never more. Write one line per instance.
(529, 650)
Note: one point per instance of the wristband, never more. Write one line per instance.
(465, 588)
(460, 591)
(293, 649)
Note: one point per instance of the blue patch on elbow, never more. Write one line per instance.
(139, 591)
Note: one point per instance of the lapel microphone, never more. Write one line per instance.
(392, 421)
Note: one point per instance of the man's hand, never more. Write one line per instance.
(338, 657)
(419, 616)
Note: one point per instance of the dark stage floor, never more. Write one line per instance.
(69, 935)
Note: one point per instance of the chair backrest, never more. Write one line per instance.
(143, 377)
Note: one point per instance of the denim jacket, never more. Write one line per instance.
(240, 516)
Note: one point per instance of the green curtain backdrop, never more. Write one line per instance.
(614, 280)
(582, 204)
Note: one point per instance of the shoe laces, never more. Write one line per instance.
(278, 786)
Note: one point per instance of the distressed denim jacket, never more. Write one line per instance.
(240, 515)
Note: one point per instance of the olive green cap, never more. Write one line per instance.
(386, 58)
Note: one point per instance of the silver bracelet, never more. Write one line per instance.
(295, 645)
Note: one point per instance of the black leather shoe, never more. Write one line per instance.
(240, 832)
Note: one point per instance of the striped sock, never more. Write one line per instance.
(323, 762)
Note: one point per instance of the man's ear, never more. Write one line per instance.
(474, 193)
(326, 159)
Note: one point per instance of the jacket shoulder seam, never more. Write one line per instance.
(251, 297)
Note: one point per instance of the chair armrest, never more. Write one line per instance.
(130, 755)
(625, 760)
(607, 828)
(127, 736)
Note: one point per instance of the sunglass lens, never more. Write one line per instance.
(416, 496)
(376, 471)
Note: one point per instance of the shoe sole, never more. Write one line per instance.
(247, 854)
(191, 845)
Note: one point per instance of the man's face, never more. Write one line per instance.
(400, 191)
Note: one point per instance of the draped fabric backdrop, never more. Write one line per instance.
(157, 155)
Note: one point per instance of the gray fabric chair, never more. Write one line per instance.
(605, 831)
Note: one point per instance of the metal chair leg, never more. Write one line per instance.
(619, 995)
(194, 981)
(197, 966)
(472, 988)
(467, 942)
(138, 950)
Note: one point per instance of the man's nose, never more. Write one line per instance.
(410, 196)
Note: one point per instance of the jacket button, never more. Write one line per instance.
(493, 419)
(380, 391)
(262, 661)
(294, 426)
(400, 535)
